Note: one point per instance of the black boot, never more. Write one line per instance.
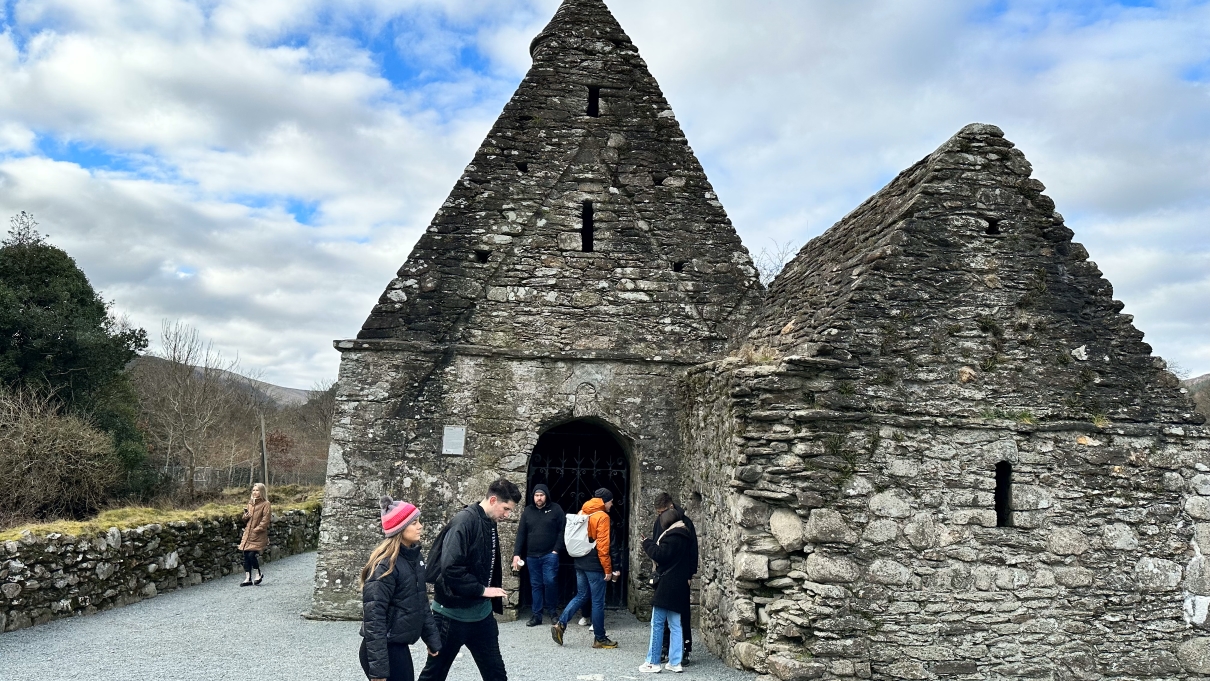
(534, 621)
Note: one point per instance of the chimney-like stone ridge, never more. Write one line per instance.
(584, 223)
(957, 290)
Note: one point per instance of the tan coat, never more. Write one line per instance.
(256, 533)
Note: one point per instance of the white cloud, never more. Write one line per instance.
(221, 116)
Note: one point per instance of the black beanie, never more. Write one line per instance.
(604, 495)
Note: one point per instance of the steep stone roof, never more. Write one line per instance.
(506, 263)
(957, 288)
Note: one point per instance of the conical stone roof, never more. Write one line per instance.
(957, 290)
(508, 261)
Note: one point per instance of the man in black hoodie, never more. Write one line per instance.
(464, 568)
(540, 540)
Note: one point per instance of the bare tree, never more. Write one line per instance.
(194, 403)
(55, 465)
(773, 259)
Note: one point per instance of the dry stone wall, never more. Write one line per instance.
(504, 402)
(43, 578)
(868, 546)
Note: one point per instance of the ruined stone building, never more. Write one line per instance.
(933, 448)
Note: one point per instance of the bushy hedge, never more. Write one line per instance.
(52, 464)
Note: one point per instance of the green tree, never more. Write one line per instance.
(57, 337)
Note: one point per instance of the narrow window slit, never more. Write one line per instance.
(594, 101)
(1004, 494)
(678, 266)
(586, 231)
(993, 227)
(483, 256)
(523, 166)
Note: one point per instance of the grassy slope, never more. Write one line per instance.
(1199, 390)
(128, 518)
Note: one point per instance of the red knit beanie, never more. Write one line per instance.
(397, 515)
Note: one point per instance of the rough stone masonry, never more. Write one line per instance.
(934, 448)
(44, 578)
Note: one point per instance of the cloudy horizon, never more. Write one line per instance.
(260, 168)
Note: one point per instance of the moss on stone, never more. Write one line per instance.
(132, 517)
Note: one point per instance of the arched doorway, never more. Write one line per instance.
(574, 460)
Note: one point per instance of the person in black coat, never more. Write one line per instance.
(395, 607)
(540, 540)
(464, 568)
(663, 502)
(674, 552)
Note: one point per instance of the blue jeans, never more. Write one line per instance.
(676, 645)
(543, 571)
(588, 583)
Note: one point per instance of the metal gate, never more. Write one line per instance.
(574, 460)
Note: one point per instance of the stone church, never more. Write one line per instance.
(933, 448)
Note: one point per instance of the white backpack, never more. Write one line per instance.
(575, 536)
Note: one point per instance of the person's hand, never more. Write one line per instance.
(433, 653)
(494, 592)
(516, 563)
(617, 576)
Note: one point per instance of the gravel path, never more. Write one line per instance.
(218, 631)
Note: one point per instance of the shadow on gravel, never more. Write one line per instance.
(218, 631)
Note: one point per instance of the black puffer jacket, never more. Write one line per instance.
(675, 556)
(469, 562)
(395, 609)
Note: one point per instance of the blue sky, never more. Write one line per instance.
(259, 168)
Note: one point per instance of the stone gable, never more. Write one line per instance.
(665, 273)
(944, 453)
(580, 264)
(957, 289)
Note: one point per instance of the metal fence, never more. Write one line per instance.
(212, 478)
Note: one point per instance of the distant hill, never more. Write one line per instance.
(1199, 390)
(281, 396)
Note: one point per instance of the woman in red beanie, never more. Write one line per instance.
(395, 605)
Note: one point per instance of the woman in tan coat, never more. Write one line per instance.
(258, 515)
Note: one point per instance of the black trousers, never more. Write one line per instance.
(482, 638)
(250, 562)
(399, 656)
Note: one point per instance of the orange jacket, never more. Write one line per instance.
(598, 530)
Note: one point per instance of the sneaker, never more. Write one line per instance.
(584, 622)
(604, 643)
(649, 668)
(556, 632)
(534, 621)
(674, 668)
(248, 583)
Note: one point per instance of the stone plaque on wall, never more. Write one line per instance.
(453, 441)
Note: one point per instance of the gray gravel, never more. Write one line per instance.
(218, 631)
